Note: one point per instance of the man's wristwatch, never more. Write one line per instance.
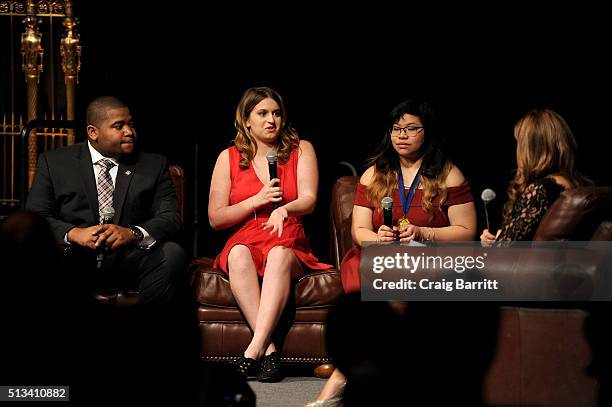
(137, 234)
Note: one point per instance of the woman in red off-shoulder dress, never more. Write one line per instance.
(441, 207)
(430, 222)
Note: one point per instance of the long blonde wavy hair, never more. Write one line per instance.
(435, 166)
(287, 140)
(545, 146)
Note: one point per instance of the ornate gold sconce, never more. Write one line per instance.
(70, 50)
(32, 53)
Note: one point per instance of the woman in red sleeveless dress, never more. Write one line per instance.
(268, 238)
(441, 207)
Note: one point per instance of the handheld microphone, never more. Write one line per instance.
(387, 204)
(488, 196)
(107, 218)
(273, 168)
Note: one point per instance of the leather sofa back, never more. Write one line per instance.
(583, 213)
(341, 211)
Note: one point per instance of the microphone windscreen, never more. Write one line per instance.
(488, 195)
(387, 202)
(107, 214)
(271, 156)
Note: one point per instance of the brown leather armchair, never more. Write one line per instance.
(301, 331)
(544, 354)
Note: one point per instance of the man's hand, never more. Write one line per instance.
(114, 236)
(86, 237)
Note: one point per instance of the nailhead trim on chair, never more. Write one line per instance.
(306, 360)
(283, 359)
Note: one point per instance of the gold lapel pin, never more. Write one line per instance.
(128, 172)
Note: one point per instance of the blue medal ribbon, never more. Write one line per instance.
(403, 199)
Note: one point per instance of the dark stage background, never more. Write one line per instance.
(340, 73)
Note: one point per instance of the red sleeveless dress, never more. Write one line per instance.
(349, 268)
(250, 232)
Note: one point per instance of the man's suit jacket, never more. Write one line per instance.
(64, 191)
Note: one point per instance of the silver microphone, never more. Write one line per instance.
(108, 214)
(387, 204)
(488, 196)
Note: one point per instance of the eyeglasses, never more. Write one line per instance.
(410, 131)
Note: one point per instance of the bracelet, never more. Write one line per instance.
(253, 206)
(431, 235)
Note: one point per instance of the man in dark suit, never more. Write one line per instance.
(128, 350)
(74, 185)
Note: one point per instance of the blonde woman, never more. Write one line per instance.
(545, 155)
(268, 240)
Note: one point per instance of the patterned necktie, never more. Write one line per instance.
(105, 185)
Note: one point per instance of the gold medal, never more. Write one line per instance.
(402, 224)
